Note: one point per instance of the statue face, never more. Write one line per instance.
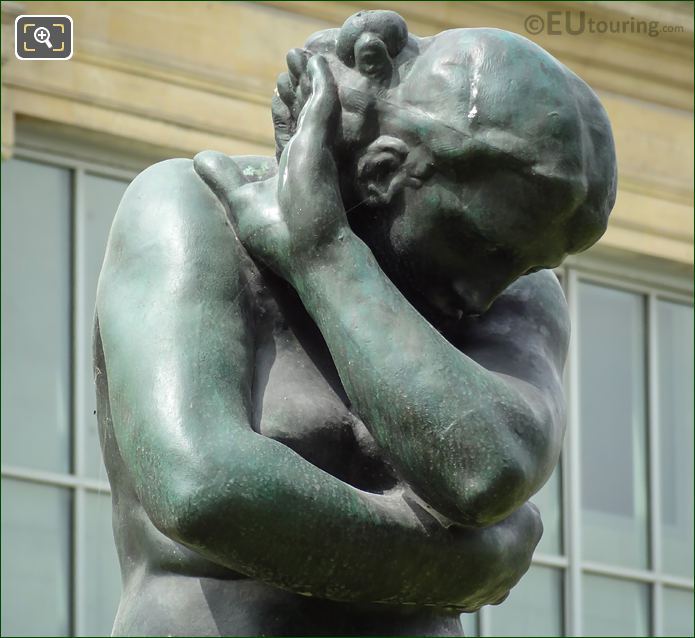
(461, 241)
(477, 155)
(457, 231)
(472, 178)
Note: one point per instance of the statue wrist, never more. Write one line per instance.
(325, 260)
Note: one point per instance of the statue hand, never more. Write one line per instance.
(292, 89)
(308, 186)
(308, 215)
(286, 227)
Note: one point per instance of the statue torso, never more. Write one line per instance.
(298, 396)
(299, 401)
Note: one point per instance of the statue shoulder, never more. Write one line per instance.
(542, 293)
(535, 309)
(526, 327)
(168, 202)
(171, 227)
(252, 168)
(185, 190)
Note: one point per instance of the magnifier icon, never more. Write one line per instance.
(43, 36)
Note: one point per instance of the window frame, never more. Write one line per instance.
(655, 286)
(653, 575)
(76, 480)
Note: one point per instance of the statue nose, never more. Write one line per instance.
(475, 300)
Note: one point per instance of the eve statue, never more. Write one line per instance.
(329, 383)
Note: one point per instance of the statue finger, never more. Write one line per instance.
(285, 89)
(296, 63)
(281, 114)
(323, 102)
(283, 124)
(222, 174)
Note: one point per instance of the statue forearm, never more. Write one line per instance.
(275, 517)
(470, 443)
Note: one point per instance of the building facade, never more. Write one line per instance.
(154, 80)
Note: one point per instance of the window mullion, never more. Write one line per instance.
(78, 561)
(77, 321)
(564, 273)
(484, 628)
(573, 607)
(654, 470)
(77, 386)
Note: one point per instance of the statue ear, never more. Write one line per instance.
(382, 170)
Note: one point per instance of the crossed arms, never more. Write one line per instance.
(175, 323)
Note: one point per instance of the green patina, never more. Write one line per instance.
(325, 400)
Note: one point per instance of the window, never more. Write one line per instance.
(616, 558)
(57, 549)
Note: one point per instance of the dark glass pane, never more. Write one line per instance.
(612, 415)
(675, 386)
(678, 612)
(35, 315)
(103, 586)
(469, 622)
(615, 607)
(534, 607)
(549, 502)
(36, 553)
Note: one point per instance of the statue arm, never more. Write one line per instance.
(175, 326)
(474, 434)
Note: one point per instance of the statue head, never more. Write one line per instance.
(467, 159)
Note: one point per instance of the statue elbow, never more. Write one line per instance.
(187, 510)
(505, 484)
(201, 503)
(494, 495)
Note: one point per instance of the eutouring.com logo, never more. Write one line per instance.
(578, 23)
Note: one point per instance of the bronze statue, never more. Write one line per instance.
(328, 385)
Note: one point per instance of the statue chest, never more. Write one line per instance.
(299, 401)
